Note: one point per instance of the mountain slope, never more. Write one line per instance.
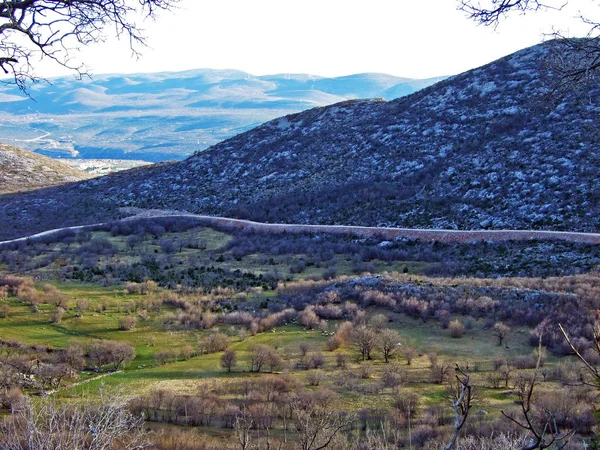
(169, 115)
(21, 170)
(483, 149)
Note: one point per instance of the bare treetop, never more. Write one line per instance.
(53, 29)
(573, 62)
(489, 12)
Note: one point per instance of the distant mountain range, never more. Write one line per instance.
(486, 149)
(162, 116)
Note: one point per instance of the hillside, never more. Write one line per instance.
(21, 170)
(484, 149)
(170, 115)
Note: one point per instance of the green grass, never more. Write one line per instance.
(142, 375)
(202, 373)
(476, 344)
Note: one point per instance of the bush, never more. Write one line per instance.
(314, 377)
(333, 343)
(309, 318)
(366, 370)
(394, 376)
(127, 323)
(457, 329)
(82, 305)
(214, 342)
(57, 315)
(315, 361)
(164, 356)
(525, 362)
(341, 361)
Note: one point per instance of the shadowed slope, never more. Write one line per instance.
(483, 149)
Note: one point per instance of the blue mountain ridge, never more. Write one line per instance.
(170, 115)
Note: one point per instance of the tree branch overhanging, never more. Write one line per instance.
(490, 12)
(572, 63)
(54, 29)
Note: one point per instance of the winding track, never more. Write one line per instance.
(466, 236)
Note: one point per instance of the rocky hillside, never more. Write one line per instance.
(484, 149)
(21, 170)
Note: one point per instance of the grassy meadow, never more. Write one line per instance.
(302, 302)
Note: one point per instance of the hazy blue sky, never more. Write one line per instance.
(413, 38)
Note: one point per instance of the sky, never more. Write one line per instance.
(409, 38)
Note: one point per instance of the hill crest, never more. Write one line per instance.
(480, 150)
(21, 170)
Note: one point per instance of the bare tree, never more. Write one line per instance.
(264, 355)
(590, 366)
(243, 425)
(544, 431)
(229, 359)
(500, 330)
(110, 352)
(461, 395)
(364, 340)
(440, 371)
(389, 343)
(48, 425)
(55, 29)
(505, 371)
(409, 353)
(317, 422)
(121, 353)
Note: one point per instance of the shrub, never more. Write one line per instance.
(443, 317)
(315, 361)
(344, 330)
(57, 315)
(341, 361)
(457, 329)
(187, 351)
(525, 362)
(314, 377)
(378, 298)
(214, 342)
(309, 318)
(127, 323)
(333, 343)
(393, 376)
(366, 370)
(164, 356)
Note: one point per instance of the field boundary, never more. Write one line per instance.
(426, 234)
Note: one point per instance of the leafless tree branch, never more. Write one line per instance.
(546, 434)
(54, 29)
(573, 63)
(490, 12)
(462, 405)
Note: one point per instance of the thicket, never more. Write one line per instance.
(311, 250)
